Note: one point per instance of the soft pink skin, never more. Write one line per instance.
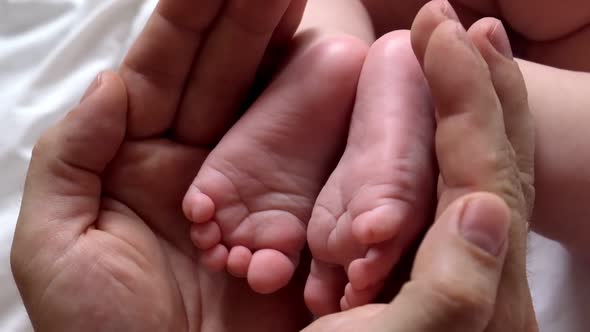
(276, 158)
(378, 198)
(252, 198)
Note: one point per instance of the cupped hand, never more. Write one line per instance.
(469, 273)
(101, 242)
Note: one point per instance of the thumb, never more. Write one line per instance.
(62, 192)
(457, 270)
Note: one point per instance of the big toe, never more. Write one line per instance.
(269, 271)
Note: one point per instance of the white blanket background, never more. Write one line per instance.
(50, 50)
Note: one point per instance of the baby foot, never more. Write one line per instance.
(378, 198)
(253, 196)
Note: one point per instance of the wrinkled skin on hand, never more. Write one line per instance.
(102, 243)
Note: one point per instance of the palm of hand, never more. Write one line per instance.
(118, 256)
(135, 269)
(138, 266)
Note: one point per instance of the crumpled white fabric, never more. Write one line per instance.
(50, 50)
(560, 285)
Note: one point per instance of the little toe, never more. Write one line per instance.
(366, 272)
(198, 207)
(324, 288)
(215, 259)
(355, 298)
(238, 261)
(344, 306)
(269, 271)
(205, 236)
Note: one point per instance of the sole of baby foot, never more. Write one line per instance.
(253, 196)
(378, 198)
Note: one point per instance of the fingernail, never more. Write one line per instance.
(447, 10)
(499, 39)
(93, 87)
(485, 222)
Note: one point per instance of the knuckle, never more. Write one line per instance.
(499, 162)
(252, 20)
(48, 140)
(19, 261)
(507, 180)
(15, 264)
(529, 192)
(43, 144)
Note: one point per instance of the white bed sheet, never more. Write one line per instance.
(50, 50)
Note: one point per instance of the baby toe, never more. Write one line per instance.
(269, 271)
(205, 236)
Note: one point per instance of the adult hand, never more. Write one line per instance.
(101, 242)
(454, 280)
(469, 273)
(483, 76)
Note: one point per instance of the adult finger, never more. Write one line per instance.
(157, 65)
(457, 271)
(226, 66)
(473, 149)
(490, 38)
